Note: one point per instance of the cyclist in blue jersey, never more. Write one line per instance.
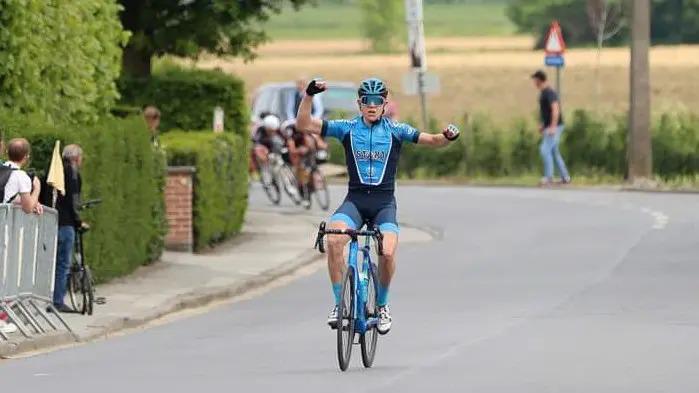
(372, 145)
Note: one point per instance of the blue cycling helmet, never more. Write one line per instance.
(372, 86)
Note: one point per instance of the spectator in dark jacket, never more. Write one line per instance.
(68, 206)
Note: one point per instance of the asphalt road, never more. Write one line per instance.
(523, 290)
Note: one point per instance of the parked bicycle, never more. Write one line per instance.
(81, 286)
(358, 310)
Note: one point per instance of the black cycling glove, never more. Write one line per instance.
(313, 89)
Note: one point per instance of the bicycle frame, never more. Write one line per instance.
(361, 282)
(79, 253)
(361, 271)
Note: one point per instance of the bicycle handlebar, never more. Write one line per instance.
(89, 203)
(353, 233)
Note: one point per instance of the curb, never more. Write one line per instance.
(195, 299)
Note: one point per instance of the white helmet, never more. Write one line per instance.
(271, 122)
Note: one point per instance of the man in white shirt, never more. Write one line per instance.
(20, 188)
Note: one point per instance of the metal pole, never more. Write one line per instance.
(640, 163)
(558, 85)
(423, 100)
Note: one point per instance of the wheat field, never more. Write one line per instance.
(488, 74)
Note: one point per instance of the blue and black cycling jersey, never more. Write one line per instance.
(371, 151)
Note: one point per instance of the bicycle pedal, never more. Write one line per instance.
(100, 300)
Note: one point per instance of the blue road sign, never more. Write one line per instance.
(554, 61)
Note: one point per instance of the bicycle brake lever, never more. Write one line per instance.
(379, 239)
(319, 239)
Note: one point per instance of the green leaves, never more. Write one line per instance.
(672, 21)
(123, 170)
(188, 28)
(59, 59)
(187, 97)
(220, 182)
(382, 24)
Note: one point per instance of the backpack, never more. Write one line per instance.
(5, 173)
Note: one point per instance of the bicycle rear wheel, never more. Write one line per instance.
(320, 189)
(345, 323)
(75, 289)
(88, 289)
(368, 340)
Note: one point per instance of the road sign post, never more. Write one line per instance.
(416, 48)
(554, 48)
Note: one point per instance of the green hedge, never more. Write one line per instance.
(591, 145)
(186, 97)
(59, 59)
(220, 184)
(122, 169)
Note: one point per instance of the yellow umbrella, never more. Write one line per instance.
(56, 178)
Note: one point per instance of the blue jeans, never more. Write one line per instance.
(66, 242)
(550, 155)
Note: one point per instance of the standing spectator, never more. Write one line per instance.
(68, 220)
(551, 128)
(294, 101)
(152, 116)
(18, 187)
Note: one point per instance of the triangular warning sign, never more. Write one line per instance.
(554, 40)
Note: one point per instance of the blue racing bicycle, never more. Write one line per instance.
(358, 312)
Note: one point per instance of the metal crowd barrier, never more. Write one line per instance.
(27, 269)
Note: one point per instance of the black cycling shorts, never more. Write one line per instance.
(376, 207)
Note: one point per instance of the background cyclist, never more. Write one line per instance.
(267, 138)
(301, 147)
(372, 145)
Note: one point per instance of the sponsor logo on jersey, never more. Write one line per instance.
(365, 155)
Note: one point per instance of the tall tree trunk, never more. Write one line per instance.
(136, 62)
(640, 150)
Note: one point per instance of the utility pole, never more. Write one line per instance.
(418, 57)
(640, 157)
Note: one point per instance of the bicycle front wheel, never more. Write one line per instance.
(368, 340)
(291, 187)
(320, 189)
(269, 184)
(345, 324)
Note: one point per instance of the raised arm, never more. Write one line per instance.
(449, 134)
(304, 121)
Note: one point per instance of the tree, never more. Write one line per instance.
(640, 153)
(59, 59)
(673, 21)
(535, 16)
(383, 23)
(607, 20)
(189, 27)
